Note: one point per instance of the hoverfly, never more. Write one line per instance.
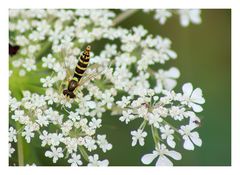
(78, 73)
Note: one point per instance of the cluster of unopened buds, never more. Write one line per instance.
(117, 79)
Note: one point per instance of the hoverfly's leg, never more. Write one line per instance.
(65, 85)
(60, 87)
(68, 71)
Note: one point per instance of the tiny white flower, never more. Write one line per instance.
(154, 120)
(177, 113)
(167, 133)
(12, 135)
(45, 137)
(29, 64)
(103, 144)
(55, 138)
(90, 143)
(75, 160)
(10, 150)
(95, 123)
(17, 115)
(23, 25)
(74, 116)
(162, 15)
(47, 82)
(107, 99)
(21, 40)
(190, 138)
(124, 102)
(55, 153)
(14, 104)
(138, 136)
(127, 116)
(48, 61)
(71, 144)
(161, 152)
(189, 15)
(192, 97)
(42, 120)
(28, 133)
(94, 161)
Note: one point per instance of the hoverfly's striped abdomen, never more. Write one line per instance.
(82, 64)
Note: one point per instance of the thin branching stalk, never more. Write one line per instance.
(20, 149)
(121, 17)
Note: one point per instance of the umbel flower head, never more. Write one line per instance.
(117, 79)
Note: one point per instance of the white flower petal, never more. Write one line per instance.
(187, 89)
(196, 107)
(195, 139)
(134, 142)
(197, 96)
(48, 154)
(172, 54)
(184, 21)
(141, 141)
(174, 154)
(188, 145)
(173, 73)
(104, 163)
(148, 158)
(169, 84)
(170, 142)
(163, 161)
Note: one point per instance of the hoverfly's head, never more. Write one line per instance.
(69, 93)
(87, 50)
(72, 85)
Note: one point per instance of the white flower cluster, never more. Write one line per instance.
(76, 134)
(159, 111)
(50, 44)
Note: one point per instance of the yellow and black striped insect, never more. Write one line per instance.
(78, 73)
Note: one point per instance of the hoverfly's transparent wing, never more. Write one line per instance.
(93, 74)
(63, 83)
(63, 55)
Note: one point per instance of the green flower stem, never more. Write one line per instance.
(123, 16)
(155, 135)
(20, 147)
(142, 126)
(83, 153)
(174, 128)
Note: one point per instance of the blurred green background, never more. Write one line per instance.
(204, 59)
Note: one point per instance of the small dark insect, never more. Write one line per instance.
(197, 122)
(78, 73)
(13, 49)
(145, 105)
